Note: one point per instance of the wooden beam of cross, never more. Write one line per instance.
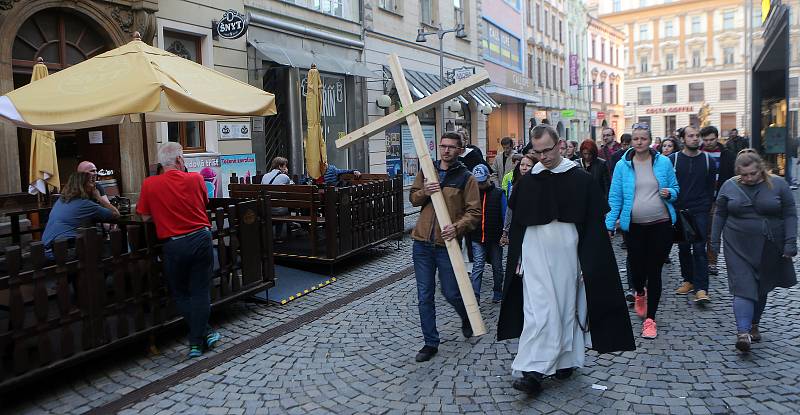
(408, 113)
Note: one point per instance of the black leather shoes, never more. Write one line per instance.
(530, 383)
(426, 353)
(466, 328)
(562, 374)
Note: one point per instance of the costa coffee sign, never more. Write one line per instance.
(233, 25)
(665, 110)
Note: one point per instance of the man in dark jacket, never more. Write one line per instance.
(486, 237)
(624, 145)
(609, 147)
(461, 195)
(724, 160)
(697, 179)
(736, 143)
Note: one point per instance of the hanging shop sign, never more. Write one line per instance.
(233, 25)
(568, 114)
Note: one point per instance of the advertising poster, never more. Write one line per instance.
(410, 159)
(208, 167)
(244, 165)
(394, 152)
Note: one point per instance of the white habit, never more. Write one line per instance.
(552, 337)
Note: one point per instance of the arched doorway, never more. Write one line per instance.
(62, 38)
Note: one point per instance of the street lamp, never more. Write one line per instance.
(460, 34)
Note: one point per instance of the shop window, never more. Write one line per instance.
(727, 90)
(190, 135)
(727, 122)
(644, 95)
(696, 92)
(502, 47)
(669, 94)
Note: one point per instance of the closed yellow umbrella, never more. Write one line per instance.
(316, 153)
(44, 163)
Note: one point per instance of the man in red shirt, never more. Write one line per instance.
(176, 201)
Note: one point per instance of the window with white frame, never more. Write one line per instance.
(427, 12)
(644, 31)
(669, 62)
(616, 6)
(728, 55)
(603, 51)
(390, 5)
(546, 22)
(669, 30)
(644, 64)
(669, 94)
(696, 59)
(696, 25)
(728, 19)
(458, 11)
(644, 95)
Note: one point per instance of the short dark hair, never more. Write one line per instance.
(682, 131)
(540, 130)
(626, 138)
(450, 135)
(706, 131)
(545, 121)
(278, 162)
(506, 141)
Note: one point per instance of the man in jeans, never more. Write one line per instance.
(176, 201)
(609, 147)
(460, 191)
(697, 178)
(486, 237)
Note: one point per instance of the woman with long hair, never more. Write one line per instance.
(757, 219)
(594, 165)
(80, 203)
(572, 150)
(669, 146)
(643, 190)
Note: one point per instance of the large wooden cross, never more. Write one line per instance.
(408, 113)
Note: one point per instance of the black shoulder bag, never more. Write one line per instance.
(685, 229)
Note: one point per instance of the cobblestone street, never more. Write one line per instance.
(359, 358)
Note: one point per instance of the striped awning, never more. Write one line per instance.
(423, 84)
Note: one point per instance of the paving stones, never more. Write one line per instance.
(360, 360)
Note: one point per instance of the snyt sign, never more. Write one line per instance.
(233, 25)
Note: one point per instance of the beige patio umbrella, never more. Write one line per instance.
(316, 153)
(136, 81)
(44, 162)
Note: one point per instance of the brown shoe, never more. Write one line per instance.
(755, 335)
(700, 297)
(685, 288)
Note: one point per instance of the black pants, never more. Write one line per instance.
(648, 247)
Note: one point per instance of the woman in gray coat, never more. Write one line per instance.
(757, 217)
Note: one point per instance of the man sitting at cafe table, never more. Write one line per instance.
(176, 201)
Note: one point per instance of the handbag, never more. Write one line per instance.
(685, 229)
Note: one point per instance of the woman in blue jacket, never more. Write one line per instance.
(643, 189)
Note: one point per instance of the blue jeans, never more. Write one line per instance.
(187, 266)
(427, 259)
(747, 312)
(693, 257)
(494, 252)
(788, 170)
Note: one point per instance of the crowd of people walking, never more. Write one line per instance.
(556, 205)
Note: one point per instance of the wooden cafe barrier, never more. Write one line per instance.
(101, 294)
(339, 221)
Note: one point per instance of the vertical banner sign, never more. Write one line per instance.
(394, 151)
(573, 70)
(410, 159)
(244, 165)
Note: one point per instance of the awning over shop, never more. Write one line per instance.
(424, 84)
(511, 96)
(300, 58)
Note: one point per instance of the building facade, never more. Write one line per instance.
(606, 76)
(503, 47)
(556, 55)
(65, 33)
(392, 26)
(683, 59)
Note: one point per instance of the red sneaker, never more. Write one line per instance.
(649, 329)
(640, 305)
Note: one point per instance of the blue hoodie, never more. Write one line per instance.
(623, 188)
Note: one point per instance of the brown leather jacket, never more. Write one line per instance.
(460, 191)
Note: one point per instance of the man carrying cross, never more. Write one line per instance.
(460, 191)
